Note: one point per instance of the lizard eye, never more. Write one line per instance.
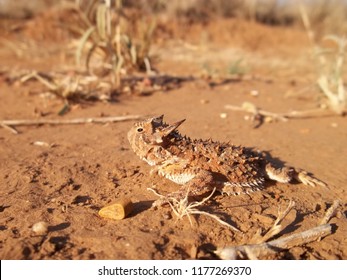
(139, 129)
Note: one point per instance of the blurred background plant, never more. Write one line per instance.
(330, 78)
(108, 43)
(330, 65)
(236, 67)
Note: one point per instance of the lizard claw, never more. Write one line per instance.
(309, 180)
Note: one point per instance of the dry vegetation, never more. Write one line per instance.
(112, 47)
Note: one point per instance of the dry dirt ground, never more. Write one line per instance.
(87, 166)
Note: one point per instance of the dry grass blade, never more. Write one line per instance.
(34, 75)
(156, 193)
(63, 87)
(276, 227)
(9, 128)
(120, 59)
(198, 212)
(82, 43)
(102, 16)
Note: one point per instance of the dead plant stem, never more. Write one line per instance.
(259, 250)
(71, 121)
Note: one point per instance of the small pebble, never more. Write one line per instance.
(223, 115)
(254, 92)
(40, 228)
(41, 143)
(118, 210)
(167, 216)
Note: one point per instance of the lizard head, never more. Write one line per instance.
(150, 132)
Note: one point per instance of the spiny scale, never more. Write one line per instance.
(201, 165)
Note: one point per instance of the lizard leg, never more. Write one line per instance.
(199, 184)
(286, 174)
(280, 174)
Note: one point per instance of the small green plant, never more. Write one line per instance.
(209, 71)
(109, 48)
(236, 67)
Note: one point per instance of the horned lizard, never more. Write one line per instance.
(201, 165)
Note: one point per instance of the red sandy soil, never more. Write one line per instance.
(88, 166)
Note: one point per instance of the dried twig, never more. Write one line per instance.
(263, 249)
(331, 212)
(256, 112)
(260, 116)
(11, 129)
(71, 121)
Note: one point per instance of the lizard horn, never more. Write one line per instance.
(167, 130)
(158, 119)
